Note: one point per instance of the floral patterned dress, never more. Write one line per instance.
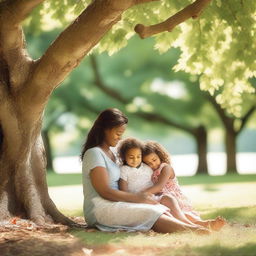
(172, 187)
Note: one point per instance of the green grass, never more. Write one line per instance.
(236, 239)
(230, 196)
(55, 179)
(220, 179)
(244, 215)
(101, 238)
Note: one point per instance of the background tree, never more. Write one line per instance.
(137, 76)
(152, 67)
(183, 113)
(233, 127)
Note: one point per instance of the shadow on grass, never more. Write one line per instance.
(99, 237)
(215, 249)
(245, 215)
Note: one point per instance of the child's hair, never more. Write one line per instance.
(125, 145)
(154, 147)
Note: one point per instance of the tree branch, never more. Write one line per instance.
(21, 9)
(246, 117)
(67, 51)
(117, 96)
(161, 119)
(227, 121)
(100, 84)
(191, 11)
(117, 4)
(143, 1)
(12, 13)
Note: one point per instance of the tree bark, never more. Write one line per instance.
(48, 150)
(230, 132)
(201, 142)
(193, 10)
(23, 188)
(230, 144)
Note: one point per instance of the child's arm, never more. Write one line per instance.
(166, 174)
(123, 185)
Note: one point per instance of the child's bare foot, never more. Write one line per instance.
(217, 223)
(203, 231)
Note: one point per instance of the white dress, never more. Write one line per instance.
(108, 215)
(138, 179)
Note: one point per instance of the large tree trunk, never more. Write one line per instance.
(230, 143)
(25, 88)
(201, 140)
(23, 188)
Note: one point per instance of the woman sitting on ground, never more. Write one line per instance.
(105, 206)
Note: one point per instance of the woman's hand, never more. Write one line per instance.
(100, 181)
(146, 198)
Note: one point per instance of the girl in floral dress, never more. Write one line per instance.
(166, 183)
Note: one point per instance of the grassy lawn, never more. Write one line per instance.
(55, 179)
(231, 196)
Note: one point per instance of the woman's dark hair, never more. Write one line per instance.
(154, 147)
(107, 119)
(126, 145)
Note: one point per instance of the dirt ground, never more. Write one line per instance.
(19, 237)
(23, 238)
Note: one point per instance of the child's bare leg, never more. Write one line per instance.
(214, 224)
(168, 224)
(172, 203)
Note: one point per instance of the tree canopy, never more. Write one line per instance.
(219, 45)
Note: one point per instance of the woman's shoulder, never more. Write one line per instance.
(92, 152)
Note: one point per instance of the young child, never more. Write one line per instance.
(136, 177)
(165, 182)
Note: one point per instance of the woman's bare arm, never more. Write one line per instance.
(123, 185)
(166, 174)
(100, 181)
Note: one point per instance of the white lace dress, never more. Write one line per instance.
(138, 179)
(111, 216)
